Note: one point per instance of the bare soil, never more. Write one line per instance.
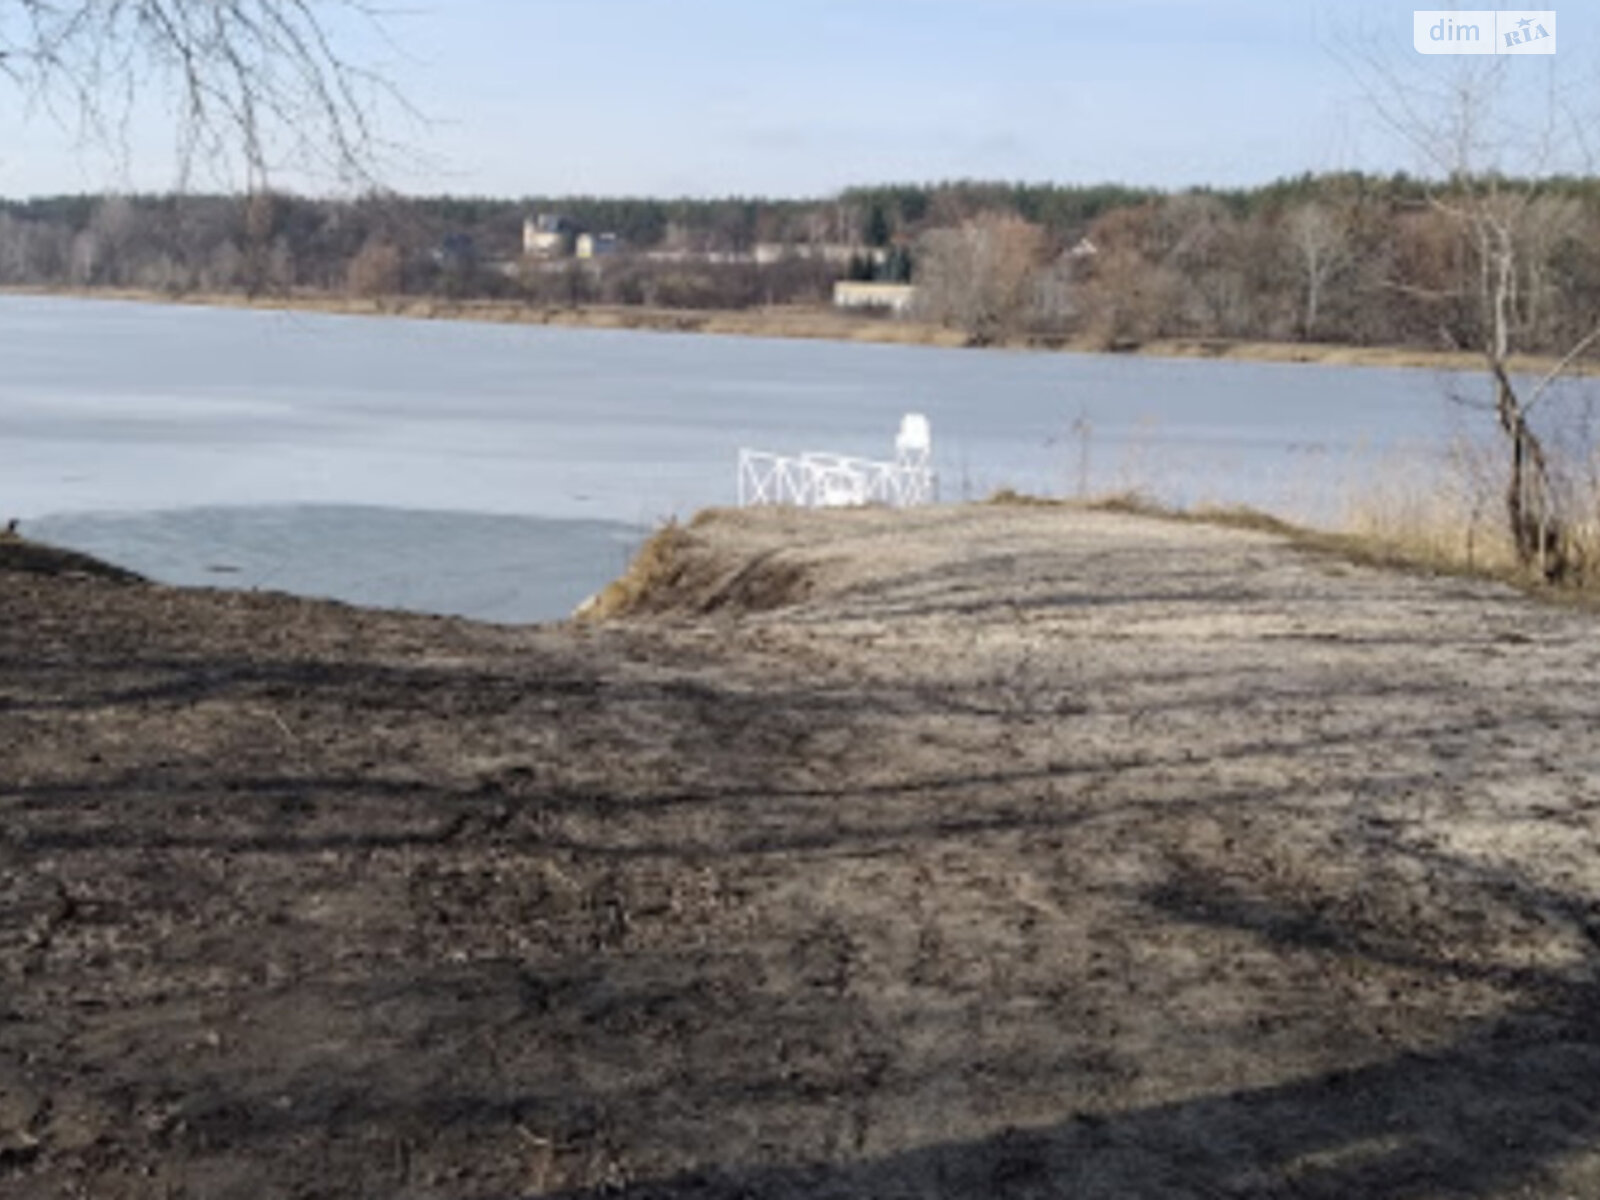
(1011, 852)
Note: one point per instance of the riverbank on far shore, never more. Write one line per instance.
(805, 323)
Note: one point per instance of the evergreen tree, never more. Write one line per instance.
(877, 232)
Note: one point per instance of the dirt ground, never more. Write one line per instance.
(1012, 852)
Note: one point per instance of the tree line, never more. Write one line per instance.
(1344, 258)
(1352, 259)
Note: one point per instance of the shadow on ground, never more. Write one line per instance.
(300, 901)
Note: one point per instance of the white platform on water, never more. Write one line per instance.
(818, 479)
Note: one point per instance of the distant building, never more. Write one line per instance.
(598, 245)
(895, 298)
(836, 253)
(696, 256)
(548, 235)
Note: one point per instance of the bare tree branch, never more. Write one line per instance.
(1561, 368)
(260, 84)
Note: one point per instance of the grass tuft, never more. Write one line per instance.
(679, 571)
(1009, 496)
(655, 570)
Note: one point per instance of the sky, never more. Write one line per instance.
(805, 97)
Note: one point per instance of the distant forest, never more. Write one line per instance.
(1335, 258)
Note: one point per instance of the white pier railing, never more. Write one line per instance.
(822, 480)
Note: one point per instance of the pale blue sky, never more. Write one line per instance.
(803, 97)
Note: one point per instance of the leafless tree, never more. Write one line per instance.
(375, 271)
(1319, 238)
(1198, 243)
(1490, 157)
(258, 84)
(979, 277)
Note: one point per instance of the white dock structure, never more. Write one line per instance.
(822, 480)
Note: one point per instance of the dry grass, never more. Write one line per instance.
(1447, 514)
(1402, 526)
(655, 569)
(1416, 512)
(678, 571)
(1391, 543)
(1009, 496)
(1455, 520)
(21, 555)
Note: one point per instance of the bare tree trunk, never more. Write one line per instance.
(1537, 531)
(1319, 235)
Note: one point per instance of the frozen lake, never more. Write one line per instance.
(507, 471)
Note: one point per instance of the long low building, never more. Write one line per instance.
(897, 298)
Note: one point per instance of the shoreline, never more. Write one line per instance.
(1177, 848)
(806, 324)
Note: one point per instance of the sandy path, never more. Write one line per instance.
(1024, 853)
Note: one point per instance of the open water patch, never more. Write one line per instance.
(489, 567)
